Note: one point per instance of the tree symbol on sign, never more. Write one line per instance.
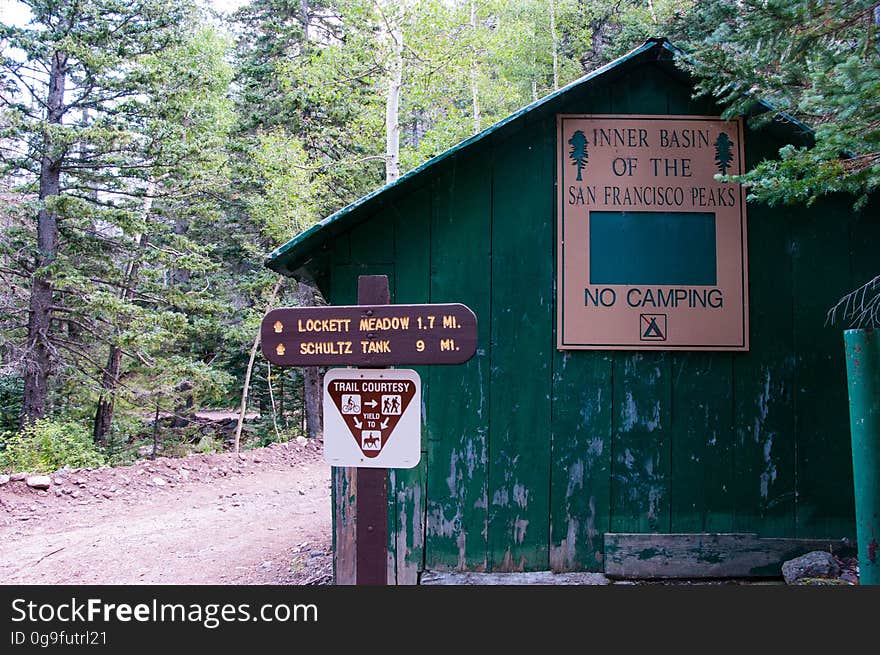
(723, 152)
(579, 154)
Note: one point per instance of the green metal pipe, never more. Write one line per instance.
(863, 375)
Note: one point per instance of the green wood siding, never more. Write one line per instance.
(580, 477)
(530, 455)
(823, 449)
(522, 349)
(701, 381)
(458, 446)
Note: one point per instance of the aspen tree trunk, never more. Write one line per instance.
(474, 90)
(39, 350)
(272, 400)
(392, 103)
(555, 40)
(304, 17)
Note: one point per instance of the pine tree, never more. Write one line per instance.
(815, 61)
(94, 135)
(723, 152)
(187, 125)
(579, 154)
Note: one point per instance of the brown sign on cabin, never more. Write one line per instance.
(369, 335)
(652, 248)
(369, 419)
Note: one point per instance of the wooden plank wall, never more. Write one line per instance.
(458, 431)
(530, 455)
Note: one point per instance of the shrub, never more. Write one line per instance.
(11, 388)
(46, 446)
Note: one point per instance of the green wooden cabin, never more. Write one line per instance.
(531, 455)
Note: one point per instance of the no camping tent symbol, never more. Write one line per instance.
(652, 327)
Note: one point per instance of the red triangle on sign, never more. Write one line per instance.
(371, 408)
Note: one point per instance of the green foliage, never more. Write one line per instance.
(11, 387)
(817, 62)
(262, 434)
(288, 188)
(48, 445)
(143, 165)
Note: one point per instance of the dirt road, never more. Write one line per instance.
(204, 519)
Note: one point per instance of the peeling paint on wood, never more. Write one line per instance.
(764, 497)
(344, 524)
(521, 334)
(408, 529)
(738, 555)
(510, 579)
(704, 460)
(406, 536)
(458, 427)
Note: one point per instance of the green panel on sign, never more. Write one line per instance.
(653, 248)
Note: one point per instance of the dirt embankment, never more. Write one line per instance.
(263, 518)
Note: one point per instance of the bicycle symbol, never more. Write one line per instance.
(351, 404)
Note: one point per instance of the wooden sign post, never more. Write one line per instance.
(371, 504)
(373, 334)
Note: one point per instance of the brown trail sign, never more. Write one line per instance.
(369, 335)
(372, 418)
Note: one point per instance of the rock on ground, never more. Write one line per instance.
(817, 564)
(39, 482)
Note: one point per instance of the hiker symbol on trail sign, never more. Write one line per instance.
(372, 418)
